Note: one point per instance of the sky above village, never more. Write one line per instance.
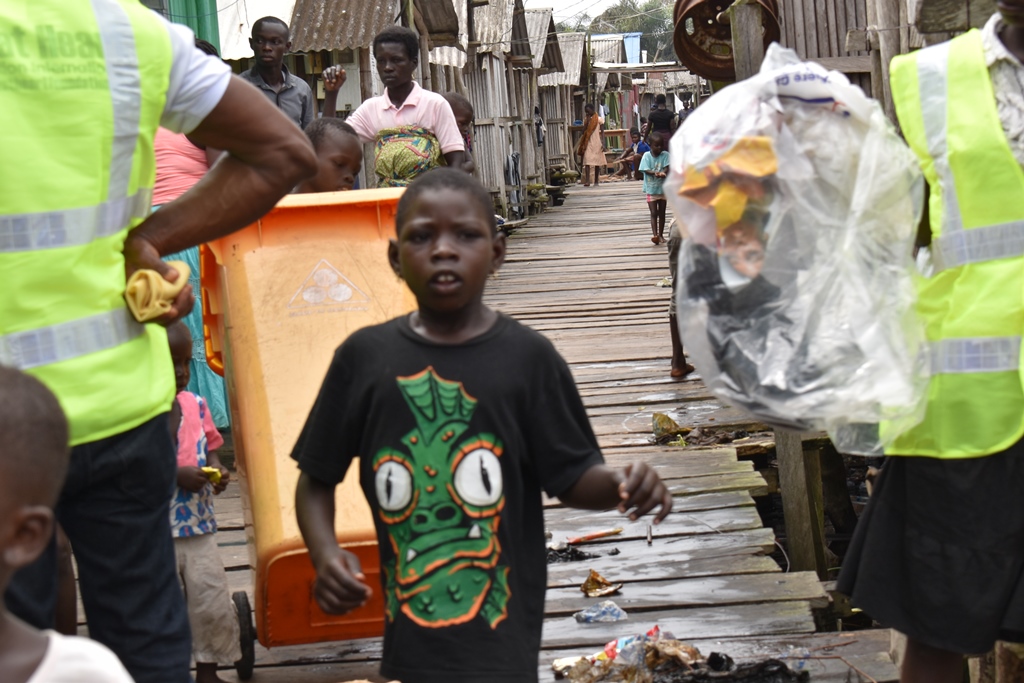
(565, 9)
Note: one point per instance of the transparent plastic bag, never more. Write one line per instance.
(800, 205)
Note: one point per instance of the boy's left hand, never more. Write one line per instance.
(642, 491)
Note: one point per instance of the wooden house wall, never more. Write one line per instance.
(816, 29)
(555, 108)
(494, 89)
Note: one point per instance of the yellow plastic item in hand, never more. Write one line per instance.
(213, 474)
(149, 295)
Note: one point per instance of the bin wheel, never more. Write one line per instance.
(246, 635)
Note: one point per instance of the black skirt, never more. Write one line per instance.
(938, 553)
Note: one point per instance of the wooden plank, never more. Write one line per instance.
(676, 524)
(685, 624)
(846, 65)
(708, 554)
(939, 16)
(695, 592)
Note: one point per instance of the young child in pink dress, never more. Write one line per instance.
(211, 614)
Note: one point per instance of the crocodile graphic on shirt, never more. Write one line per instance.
(440, 496)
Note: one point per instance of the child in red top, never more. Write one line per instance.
(215, 638)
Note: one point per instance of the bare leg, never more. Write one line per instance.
(680, 368)
(654, 221)
(661, 205)
(597, 174)
(67, 589)
(926, 664)
(586, 176)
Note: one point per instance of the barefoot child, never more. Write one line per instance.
(460, 417)
(211, 615)
(654, 166)
(339, 156)
(33, 462)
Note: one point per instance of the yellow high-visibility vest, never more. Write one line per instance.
(82, 90)
(973, 305)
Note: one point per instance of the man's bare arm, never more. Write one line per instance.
(267, 155)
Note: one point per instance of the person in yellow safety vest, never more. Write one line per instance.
(83, 86)
(939, 551)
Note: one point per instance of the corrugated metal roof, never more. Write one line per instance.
(520, 34)
(339, 24)
(440, 20)
(573, 46)
(492, 24)
(547, 56)
(608, 48)
(456, 55)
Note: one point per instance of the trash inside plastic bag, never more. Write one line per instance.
(603, 612)
(801, 204)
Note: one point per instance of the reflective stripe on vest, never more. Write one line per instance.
(980, 354)
(64, 341)
(80, 225)
(960, 247)
(72, 227)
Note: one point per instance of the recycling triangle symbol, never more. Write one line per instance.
(327, 286)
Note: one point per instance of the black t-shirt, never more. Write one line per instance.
(455, 444)
(661, 120)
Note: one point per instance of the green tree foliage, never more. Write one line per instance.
(652, 18)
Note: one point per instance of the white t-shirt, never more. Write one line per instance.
(197, 81)
(70, 659)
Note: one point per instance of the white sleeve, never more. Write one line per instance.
(197, 82)
(70, 659)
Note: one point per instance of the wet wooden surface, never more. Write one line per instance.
(587, 276)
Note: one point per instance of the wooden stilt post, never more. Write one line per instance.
(887, 13)
(800, 483)
(747, 37)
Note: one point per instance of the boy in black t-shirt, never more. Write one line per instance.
(460, 417)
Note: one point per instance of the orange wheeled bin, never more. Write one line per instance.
(279, 297)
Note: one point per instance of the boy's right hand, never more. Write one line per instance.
(340, 583)
(192, 478)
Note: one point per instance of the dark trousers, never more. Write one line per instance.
(115, 510)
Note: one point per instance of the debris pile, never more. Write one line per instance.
(657, 657)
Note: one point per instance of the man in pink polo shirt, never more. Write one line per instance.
(412, 127)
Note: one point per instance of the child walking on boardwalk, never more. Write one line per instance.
(211, 614)
(460, 417)
(654, 166)
(33, 461)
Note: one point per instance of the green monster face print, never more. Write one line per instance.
(441, 496)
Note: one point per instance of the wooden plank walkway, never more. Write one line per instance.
(586, 275)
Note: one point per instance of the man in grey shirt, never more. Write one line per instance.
(270, 42)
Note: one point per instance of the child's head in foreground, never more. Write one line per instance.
(180, 340)
(447, 240)
(339, 156)
(33, 462)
